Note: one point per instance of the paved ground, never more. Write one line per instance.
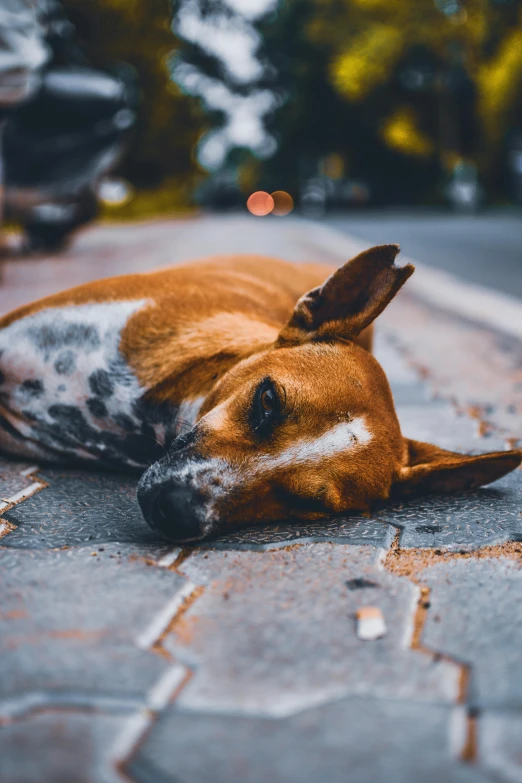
(238, 661)
(483, 248)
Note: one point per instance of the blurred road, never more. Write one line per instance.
(484, 249)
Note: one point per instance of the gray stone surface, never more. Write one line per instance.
(475, 618)
(76, 508)
(70, 620)
(355, 530)
(274, 632)
(58, 747)
(464, 521)
(356, 740)
(436, 422)
(500, 742)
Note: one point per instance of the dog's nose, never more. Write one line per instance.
(173, 514)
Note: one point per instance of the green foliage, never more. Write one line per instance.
(316, 120)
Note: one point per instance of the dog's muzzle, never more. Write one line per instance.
(173, 510)
(170, 505)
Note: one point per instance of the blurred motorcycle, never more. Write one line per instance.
(64, 138)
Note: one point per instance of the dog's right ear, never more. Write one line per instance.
(349, 300)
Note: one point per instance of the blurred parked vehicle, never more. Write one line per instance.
(62, 140)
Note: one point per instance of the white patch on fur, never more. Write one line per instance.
(336, 440)
(188, 413)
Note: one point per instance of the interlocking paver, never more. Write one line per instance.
(70, 620)
(475, 617)
(357, 740)
(355, 530)
(464, 521)
(274, 632)
(76, 508)
(59, 747)
(479, 369)
(436, 422)
(500, 746)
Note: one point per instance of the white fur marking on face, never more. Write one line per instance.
(334, 441)
(216, 477)
(188, 413)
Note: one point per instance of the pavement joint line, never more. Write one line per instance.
(164, 689)
(30, 470)
(19, 707)
(6, 527)
(169, 559)
(21, 495)
(496, 310)
(163, 618)
(6, 504)
(137, 726)
(134, 730)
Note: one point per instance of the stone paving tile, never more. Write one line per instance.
(79, 507)
(499, 741)
(346, 530)
(58, 747)
(464, 521)
(70, 621)
(356, 740)
(474, 617)
(479, 370)
(438, 423)
(274, 632)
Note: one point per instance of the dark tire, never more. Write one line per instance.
(46, 237)
(42, 237)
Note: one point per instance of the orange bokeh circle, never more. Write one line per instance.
(260, 203)
(283, 203)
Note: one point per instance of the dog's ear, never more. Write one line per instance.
(350, 299)
(429, 469)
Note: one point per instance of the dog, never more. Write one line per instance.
(244, 387)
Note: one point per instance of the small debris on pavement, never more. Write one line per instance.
(359, 583)
(370, 623)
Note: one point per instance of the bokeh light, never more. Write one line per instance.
(283, 203)
(260, 203)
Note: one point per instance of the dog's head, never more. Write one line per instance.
(307, 428)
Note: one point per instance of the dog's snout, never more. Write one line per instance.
(173, 513)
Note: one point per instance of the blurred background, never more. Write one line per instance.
(356, 112)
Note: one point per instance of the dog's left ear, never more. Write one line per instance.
(429, 469)
(350, 299)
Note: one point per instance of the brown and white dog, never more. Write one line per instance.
(241, 403)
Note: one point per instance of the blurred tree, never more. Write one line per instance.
(139, 33)
(316, 119)
(447, 73)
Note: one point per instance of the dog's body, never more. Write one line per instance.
(267, 408)
(112, 371)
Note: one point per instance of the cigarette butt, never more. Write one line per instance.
(370, 623)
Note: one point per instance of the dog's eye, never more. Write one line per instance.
(267, 401)
(265, 407)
